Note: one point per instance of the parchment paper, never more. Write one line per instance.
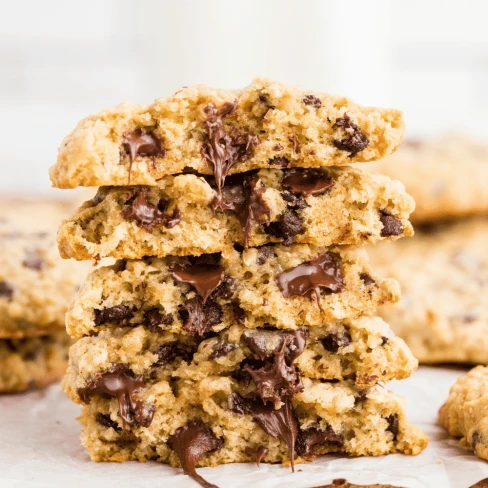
(39, 447)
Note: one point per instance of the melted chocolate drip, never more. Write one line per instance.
(308, 278)
(307, 181)
(280, 424)
(357, 140)
(222, 149)
(258, 454)
(205, 278)
(119, 382)
(311, 437)
(191, 442)
(139, 143)
(148, 215)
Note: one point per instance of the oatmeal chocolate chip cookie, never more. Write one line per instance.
(144, 419)
(447, 176)
(281, 286)
(32, 362)
(182, 214)
(443, 274)
(213, 131)
(363, 350)
(465, 412)
(36, 285)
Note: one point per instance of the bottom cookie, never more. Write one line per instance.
(32, 362)
(210, 422)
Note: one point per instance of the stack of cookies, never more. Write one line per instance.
(36, 286)
(237, 323)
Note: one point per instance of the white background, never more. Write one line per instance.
(61, 60)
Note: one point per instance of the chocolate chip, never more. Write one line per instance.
(6, 291)
(199, 318)
(106, 421)
(384, 340)
(309, 438)
(287, 228)
(366, 279)
(279, 161)
(312, 100)
(223, 348)
(121, 383)
(308, 278)
(361, 397)
(296, 143)
(146, 214)
(239, 313)
(277, 147)
(139, 143)
(205, 278)
(34, 260)
(169, 351)
(118, 313)
(99, 197)
(294, 201)
(223, 149)
(392, 425)
(280, 424)
(356, 140)
(333, 342)
(120, 265)
(257, 454)
(264, 253)
(391, 225)
(307, 181)
(226, 290)
(191, 442)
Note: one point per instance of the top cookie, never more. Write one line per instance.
(447, 177)
(265, 125)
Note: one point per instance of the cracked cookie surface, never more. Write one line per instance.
(219, 131)
(179, 216)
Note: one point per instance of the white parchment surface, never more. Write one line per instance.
(39, 447)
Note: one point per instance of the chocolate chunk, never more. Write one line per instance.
(308, 278)
(307, 181)
(120, 265)
(392, 425)
(6, 291)
(294, 201)
(153, 318)
(139, 143)
(280, 424)
(391, 225)
(296, 143)
(239, 313)
(356, 140)
(223, 149)
(106, 421)
(279, 161)
(287, 228)
(99, 197)
(34, 260)
(146, 214)
(205, 278)
(191, 442)
(257, 454)
(264, 252)
(384, 340)
(169, 351)
(226, 290)
(199, 318)
(312, 100)
(307, 439)
(367, 280)
(361, 397)
(119, 382)
(118, 313)
(333, 342)
(223, 348)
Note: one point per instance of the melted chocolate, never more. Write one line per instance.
(106, 421)
(118, 313)
(307, 181)
(139, 143)
(146, 214)
(308, 278)
(191, 442)
(119, 382)
(356, 140)
(222, 149)
(311, 437)
(205, 278)
(257, 454)
(280, 424)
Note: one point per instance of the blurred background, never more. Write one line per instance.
(62, 60)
